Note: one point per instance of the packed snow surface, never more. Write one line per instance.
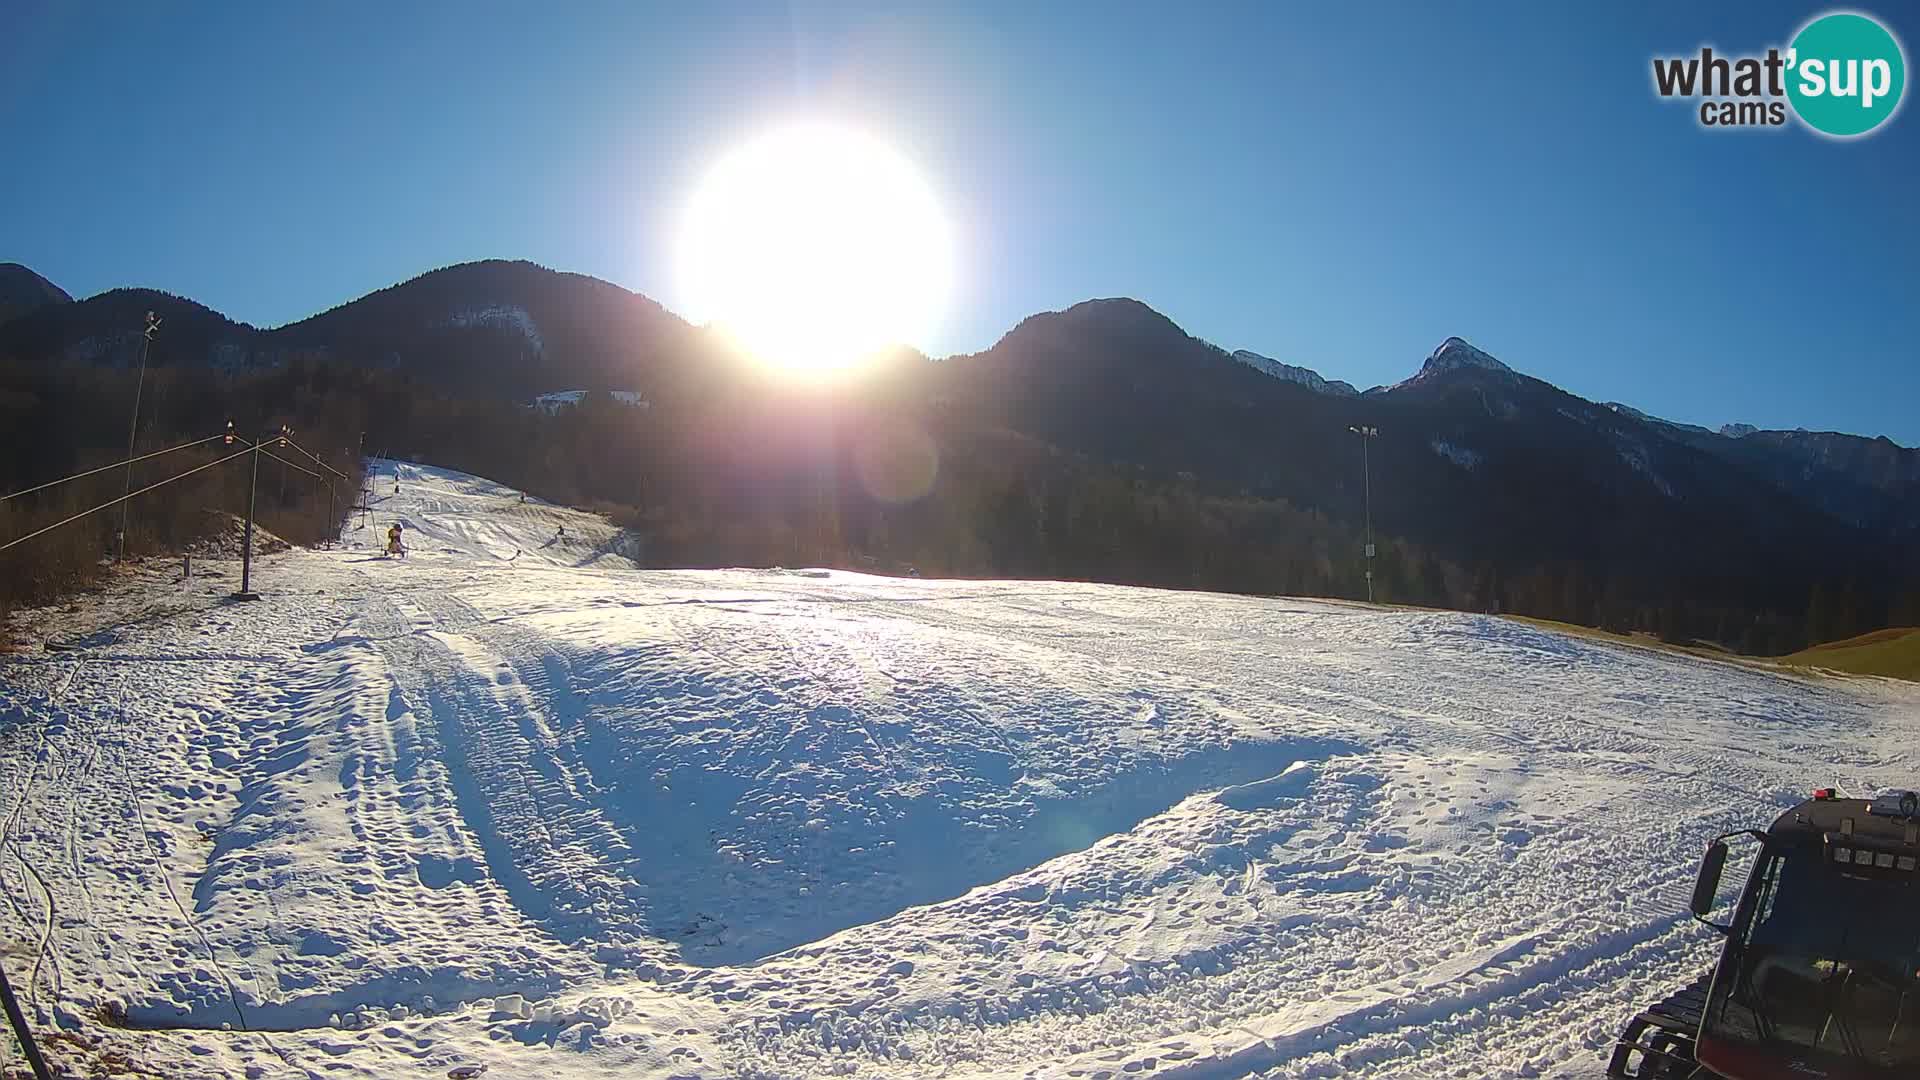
(512, 802)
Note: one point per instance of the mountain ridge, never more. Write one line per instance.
(1107, 314)
(1306, 377)
(23, 291)
(519, 329)
(1500, 483)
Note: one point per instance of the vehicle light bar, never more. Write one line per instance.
(1823, 794)
(1856, 859)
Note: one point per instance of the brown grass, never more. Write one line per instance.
(1894, 653)
(1891, 633)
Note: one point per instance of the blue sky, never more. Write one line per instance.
(1339, 186)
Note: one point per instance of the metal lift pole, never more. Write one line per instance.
(20, 1030)
(246, 544)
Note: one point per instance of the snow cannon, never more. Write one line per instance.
(1819, 972)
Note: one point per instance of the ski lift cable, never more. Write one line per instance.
(262, 445)
(288, 464)
(124, 498)
(315, 458)
(104, 468)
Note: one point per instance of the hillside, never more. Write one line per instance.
(1491, 490)
(23, 291)
(107, 330)
(1556, 505)
(1893, 652)
(513, 802)
(497, 328)
(510, 328)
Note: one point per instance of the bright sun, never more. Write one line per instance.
(814, 246)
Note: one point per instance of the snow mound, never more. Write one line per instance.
(227, 538)
(1264, 793)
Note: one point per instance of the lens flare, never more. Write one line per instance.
(897, 461)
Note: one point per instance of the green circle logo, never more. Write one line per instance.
(1845, 74)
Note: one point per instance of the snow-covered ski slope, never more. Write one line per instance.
(800, 823)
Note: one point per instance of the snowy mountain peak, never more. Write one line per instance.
(1649, 418)
(1455, 354)
(1306, 377)
(1737, 431)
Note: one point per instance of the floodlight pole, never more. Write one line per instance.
(1367, 435)
(246, 543)
(133, 430)
(18, 1021)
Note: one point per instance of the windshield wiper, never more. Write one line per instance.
(1749, 995)
(1902, 988)
(1838, 1018)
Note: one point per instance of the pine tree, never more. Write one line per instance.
(1820, 623)
(1907, 611)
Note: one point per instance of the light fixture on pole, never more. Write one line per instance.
(246, 537)
(133, 430)
(1367, 435)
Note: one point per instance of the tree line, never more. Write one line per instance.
(874, 474)
(59, 422)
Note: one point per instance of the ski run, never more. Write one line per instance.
(511, 803)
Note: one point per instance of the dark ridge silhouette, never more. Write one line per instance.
(1102, 441)
(23, 291)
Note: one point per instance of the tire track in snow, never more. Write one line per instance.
(16, 818)
(543, 841)
(166, 880)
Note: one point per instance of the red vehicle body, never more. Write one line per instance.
(1820, 973)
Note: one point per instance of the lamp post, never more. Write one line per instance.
(253, 489)
(19, 1021)
(133, 430)
(1367, 435)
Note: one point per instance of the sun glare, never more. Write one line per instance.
(815, 246)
